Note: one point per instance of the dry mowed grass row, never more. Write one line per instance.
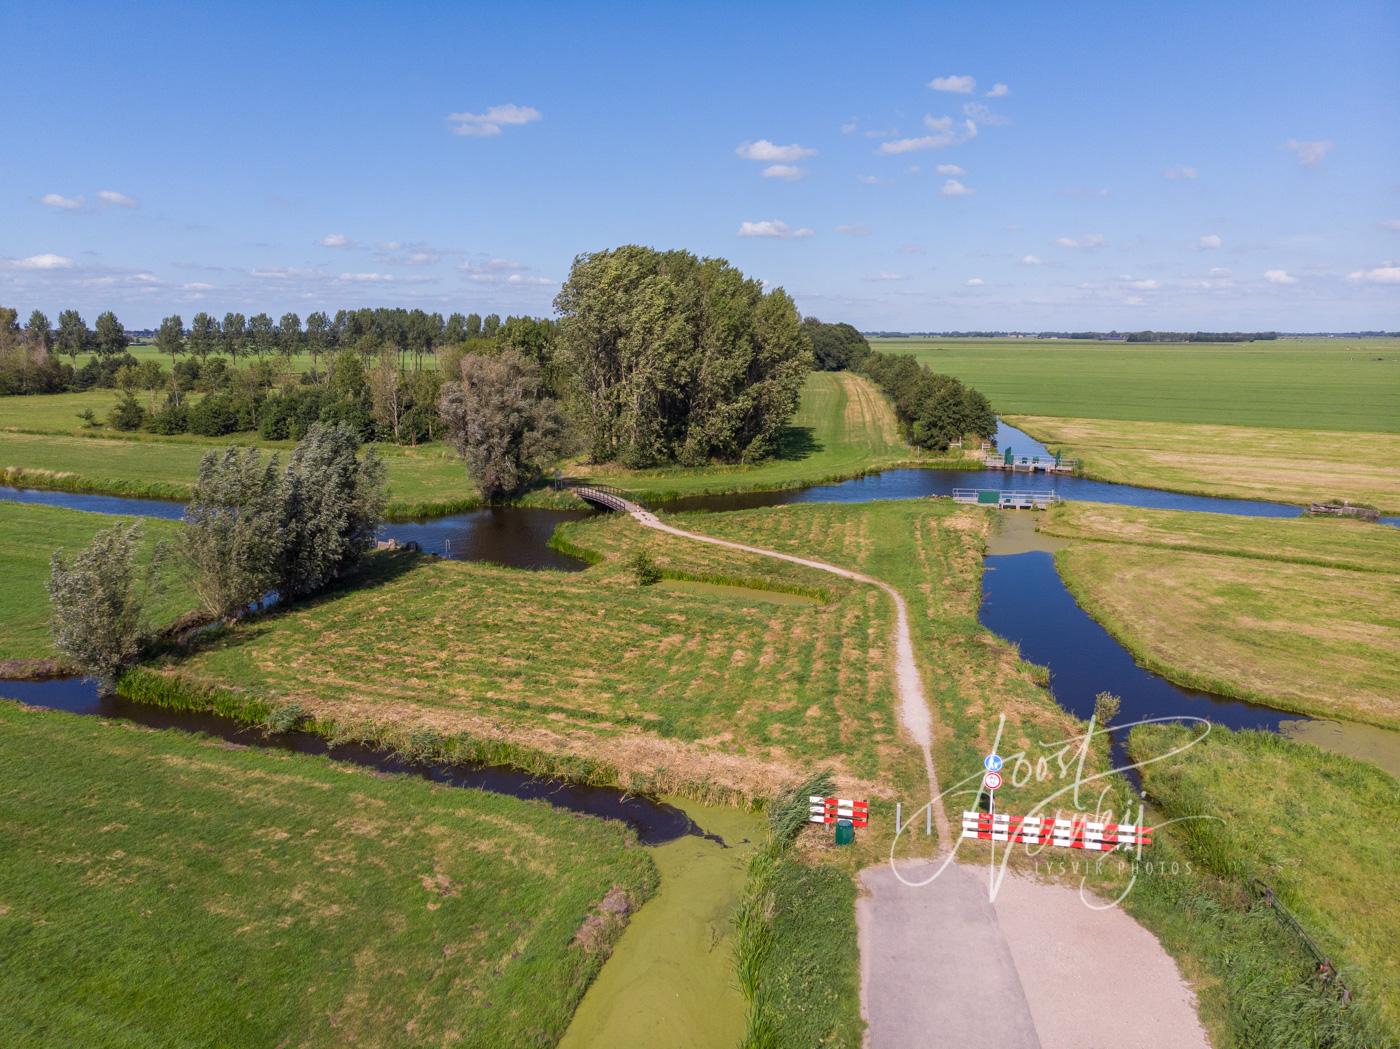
(669, 687)
(1299, 466)
(1237, 605)
(163, 889)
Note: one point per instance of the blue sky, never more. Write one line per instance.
(1182, 166)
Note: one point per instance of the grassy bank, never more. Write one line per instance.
(844, 427)
(28, 537)
(324, 906)
(1324, 384)
(1296, 613)
(1299, 819)
(1241, 462)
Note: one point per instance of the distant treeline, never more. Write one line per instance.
(933, 409)
(1101, 336)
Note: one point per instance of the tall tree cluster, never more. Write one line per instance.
(835, 347)
(252, 527)
(677, 358)
(933, 409)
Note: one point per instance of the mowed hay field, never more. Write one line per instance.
(1242, 462)
(424, 479)
(1309, 823)
(844, 427)
(701, 693)
(29, 535)
(1302, 614)
(160, 889)
(1320, 384)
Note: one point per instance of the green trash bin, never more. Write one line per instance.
(845, 832)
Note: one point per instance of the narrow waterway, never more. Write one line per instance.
(656, 822)
(1025, 601)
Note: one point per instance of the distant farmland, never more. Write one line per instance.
(1324, 384)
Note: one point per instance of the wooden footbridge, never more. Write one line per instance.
(603, 496)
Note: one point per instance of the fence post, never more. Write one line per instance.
(898, 816)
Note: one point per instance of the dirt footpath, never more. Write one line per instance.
(942, 965)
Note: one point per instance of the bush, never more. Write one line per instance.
(173, 418)
(214, 416)
(644, 568)
(127, 415)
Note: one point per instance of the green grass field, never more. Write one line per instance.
(1302, 820)
(1322, 384)
(28, 537)
(159, 889)
(844, 427)
(1301, 614)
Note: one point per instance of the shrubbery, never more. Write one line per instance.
(933, 409)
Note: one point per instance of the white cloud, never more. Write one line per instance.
(367, 278)
(1219, 271)
(1179, 173)
(975, 282)
(771, 152)
(1387, 274)
(869, 180)
(1030, 260)
(1088, 241)
(773, 228)
(57, 200)
(943, 133)
(977, 111)
(911, 249)
(999, 90)
(46, 261)
(954, 188)
(848, 126)
(854, 230)
(914, 169)
(1309, 152)
(949, 169)
(120, 200)
(1279, 277)
(884, 275)
(427, 257)
(527, 278)
(197, 285)
(1391, 224)
(389, 245)
(336, 240)
(489, 124)
(1141, 285)
(1086, 193)
(787, 172)
(958, 85)
(1209, 242)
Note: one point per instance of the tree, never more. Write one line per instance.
(204, 336)
(835, 347)
(170, 338)
(455, 329)
(490, 325)
(332, 504)
(678, 358)
(473, 326)
(97, 602)
(73, 335)
(235, 335)
(231, 546)
(39, 333)
(111, 338)
(289, 335)
(318, 334)
(262, 334)
(387, 394)
(501, 422)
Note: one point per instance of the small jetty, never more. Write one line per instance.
(1004, 500)
(1030, 464)
(1344, 508)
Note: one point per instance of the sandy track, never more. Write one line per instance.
(946, 962)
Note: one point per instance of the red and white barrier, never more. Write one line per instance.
(1051, 830)
(829, 810)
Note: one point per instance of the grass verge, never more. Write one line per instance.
(325, 905)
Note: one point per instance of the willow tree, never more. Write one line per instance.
(678, 359)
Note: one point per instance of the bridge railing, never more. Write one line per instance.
(607, 494)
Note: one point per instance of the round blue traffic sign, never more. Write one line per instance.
(992, 763)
